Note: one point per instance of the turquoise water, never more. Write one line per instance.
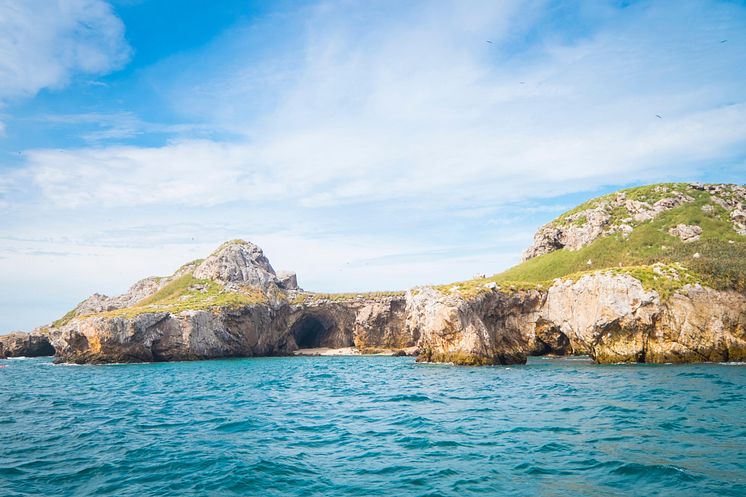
(383, 426)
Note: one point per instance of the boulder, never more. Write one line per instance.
(686, 232)
(287, 280)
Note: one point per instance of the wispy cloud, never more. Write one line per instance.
(429, 112)
(43, 44)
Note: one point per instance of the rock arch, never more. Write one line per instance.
(549, 339)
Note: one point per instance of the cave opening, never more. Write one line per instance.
(550, 340)
(311, 332)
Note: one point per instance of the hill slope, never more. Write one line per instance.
(696, 233)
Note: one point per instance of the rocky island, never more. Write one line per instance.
(651, 274)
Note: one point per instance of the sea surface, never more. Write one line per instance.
(378, 426)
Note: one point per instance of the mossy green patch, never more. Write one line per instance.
(64, 319)
(189, 293)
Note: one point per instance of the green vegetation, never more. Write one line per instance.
(717, 260)
(189, 265)
(189, 293)
(311, 297)
(64, 319)
(650, 194)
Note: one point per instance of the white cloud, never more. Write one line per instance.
(422, 109)
(44, 43)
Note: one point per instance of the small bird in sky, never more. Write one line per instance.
(658, 116)
(723, 41)
(522, 82)
(488, 41)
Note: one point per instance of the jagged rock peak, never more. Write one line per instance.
(238, 262)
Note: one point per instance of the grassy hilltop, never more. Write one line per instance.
(716, 259)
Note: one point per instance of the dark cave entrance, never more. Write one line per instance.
(312, 332)
(550, 340)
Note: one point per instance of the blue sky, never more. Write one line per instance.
(366, 145)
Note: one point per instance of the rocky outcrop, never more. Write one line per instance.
(101, 303)
(609, 316)
(188, 335)
(617, 213)
(686, 232)
(252, 330)
(19, 344)
(699, 325)
(611, 214)
(287, 280)
(606, 314)
(489, 329)
(238, 263)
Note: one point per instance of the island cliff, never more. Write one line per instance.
(651, 274)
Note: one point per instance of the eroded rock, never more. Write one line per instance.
(686, 232)
(20, 344)
(238, 263)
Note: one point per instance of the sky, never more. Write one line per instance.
(366, 145)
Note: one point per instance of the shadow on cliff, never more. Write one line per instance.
(313, 331)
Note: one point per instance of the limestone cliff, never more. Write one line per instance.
(232, 304)
(655, 274)
(21, 344)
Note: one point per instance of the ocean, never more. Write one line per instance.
(371, 426)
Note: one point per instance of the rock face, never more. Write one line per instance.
(287, 280)
(102, 303)
(20, 344)
(487, 330)
(581, 228)
(254, 330)
(609, 316)
(238, 263)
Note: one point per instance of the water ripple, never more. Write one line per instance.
(360, 426)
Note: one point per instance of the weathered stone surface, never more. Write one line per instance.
(686, 232)
(611, 317)
(287, 280)
(582, 228)
(699, 324)
(257, 330)
(487, 330)
(738, 216)
(606, 314)
(102, 303)
(238, 263)
(19, 344)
